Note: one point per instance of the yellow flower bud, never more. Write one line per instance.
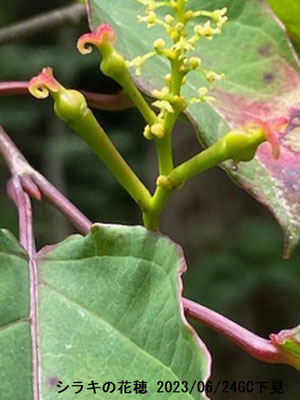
(147, 133)
(163, 105)
(202, 92)
(157, 130)
(159, 44)
(151, 18)
(169, 19)
(168, 78)
(188, 15)
(164, 182)
(194, 62)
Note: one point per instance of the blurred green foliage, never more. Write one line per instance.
(250, 261)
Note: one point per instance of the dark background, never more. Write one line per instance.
(232, 245)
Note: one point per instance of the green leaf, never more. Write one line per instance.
(108, 310)
(289, 13)
(262, 81)
(15, 347)
(288, 341)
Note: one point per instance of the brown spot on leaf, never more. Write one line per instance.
(268, 77)
(52, 381)
(265, 50)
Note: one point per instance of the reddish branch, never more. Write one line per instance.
(23, 205)
(108, 102)
(37, 186)
(100, 101)
(256, 346)
(8, 88)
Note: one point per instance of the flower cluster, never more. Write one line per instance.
(175, 26)
(180, 51)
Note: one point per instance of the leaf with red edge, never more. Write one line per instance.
(109, 309)
(288, 341)
(262, 82)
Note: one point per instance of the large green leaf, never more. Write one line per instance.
(262, 82)
(108, 310)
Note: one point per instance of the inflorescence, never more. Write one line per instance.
(181, 54)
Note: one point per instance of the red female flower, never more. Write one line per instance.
(104, 36)
(40, 85)
(271, 132)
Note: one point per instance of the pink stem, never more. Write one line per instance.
(100, 101)
(8, 88)
(256, 346)
(61, 203)
(34, 184)
(23, 205)
(108, 102)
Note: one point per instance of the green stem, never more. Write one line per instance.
(164, 145)
(236, 145)
(114, 66)
(137, 98)
(164, 151)
(89, 129)
(208, 158)
(180, 10)
(151, 217)
(164, 154)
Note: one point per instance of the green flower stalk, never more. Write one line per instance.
(181, 51)
(71, 107)
(238, 145)
(113, 65)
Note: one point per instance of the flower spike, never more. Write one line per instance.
(43, 84)
(103, 36)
